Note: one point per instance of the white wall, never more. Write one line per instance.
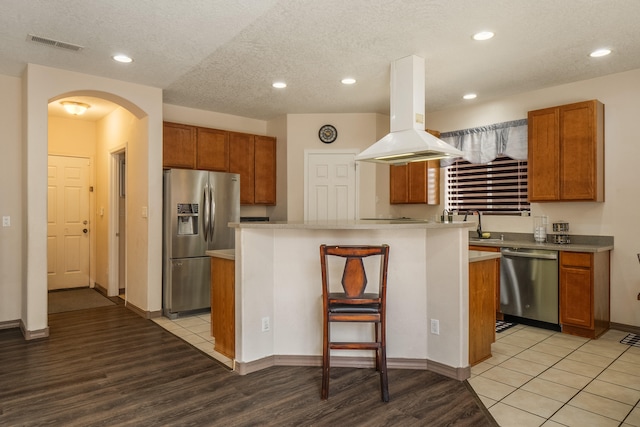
(616, 216)
(116, 131)
(355, 131)
(11, 246)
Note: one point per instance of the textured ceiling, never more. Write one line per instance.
(223, 55)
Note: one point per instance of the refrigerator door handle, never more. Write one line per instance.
(206, 214)
(213, 212)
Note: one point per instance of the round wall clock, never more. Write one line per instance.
(327, 134)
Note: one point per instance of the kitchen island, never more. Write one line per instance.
(278, 294)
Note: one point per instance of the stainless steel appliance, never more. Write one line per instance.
(529, 284)
(198, 205)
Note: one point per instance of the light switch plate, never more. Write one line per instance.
(435, 326)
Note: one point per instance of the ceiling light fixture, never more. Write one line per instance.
(483, 35)
(75, 108)
(600, 52)
(348, 81)
(122, 58)
(279, 85)
(470, 96)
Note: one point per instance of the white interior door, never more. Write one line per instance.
(331, 186)
(68, 222)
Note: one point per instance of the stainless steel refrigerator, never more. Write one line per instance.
(198, 205)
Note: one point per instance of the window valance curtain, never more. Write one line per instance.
(484, 144)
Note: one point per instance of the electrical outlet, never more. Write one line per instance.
(265, 324)
(6, 221)
(435, 326)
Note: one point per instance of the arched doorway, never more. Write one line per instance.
(43, 85)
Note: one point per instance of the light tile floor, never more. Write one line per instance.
(545, 378)
(196, 330)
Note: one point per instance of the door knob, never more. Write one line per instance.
(85, 231)
(84, 222)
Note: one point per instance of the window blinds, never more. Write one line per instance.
(499, 186)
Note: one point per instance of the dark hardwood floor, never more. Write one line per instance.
(109, 367)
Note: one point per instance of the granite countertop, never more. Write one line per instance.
(475, 256)
(222, 253)
(579, 243)
(364, 224)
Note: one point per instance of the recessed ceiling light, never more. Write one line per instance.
(470, 96)
(348, 81)
(122, 58)
(600, 52)
(279, 85)
(483, 35)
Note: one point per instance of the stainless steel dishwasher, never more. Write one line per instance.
(529, 284)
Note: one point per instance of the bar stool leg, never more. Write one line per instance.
(325, 362)
(384, 383)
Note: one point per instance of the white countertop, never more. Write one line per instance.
(475, 256)
(376, 224)
(579, 243)
(222, 253)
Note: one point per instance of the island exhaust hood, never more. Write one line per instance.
(407, 141)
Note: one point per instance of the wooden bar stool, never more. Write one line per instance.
(354, 305)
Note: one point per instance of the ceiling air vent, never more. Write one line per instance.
(54, 43)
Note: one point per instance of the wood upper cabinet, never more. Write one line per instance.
(179, 146)
(566, 153)
(584, 293)
(265, 170)
(254, 158)
(242, 161)
(251, 156)
(415, 182)
(212, 150)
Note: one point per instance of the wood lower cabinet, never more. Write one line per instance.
(499, 314)
(482, 320)
(223, 303)
(584, 293)
(179, 146)
(566, 153)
